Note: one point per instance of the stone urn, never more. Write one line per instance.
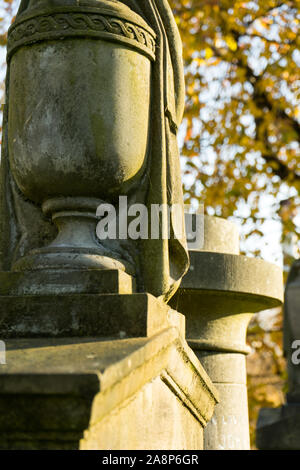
(78, 122)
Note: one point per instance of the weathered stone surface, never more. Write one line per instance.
(224, 368)
(128, 428)
(66, 282)
(292, 332)
(90, 85)
(218, 296)
(101, 394)
(279, 428)
(94, 99)
(106, 315)
(229, 427)
(83, 120)
(208, 226)
(236, 277)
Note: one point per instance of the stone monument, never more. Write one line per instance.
(279, 428)
(95, 358)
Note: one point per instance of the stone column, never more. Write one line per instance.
(218, 296)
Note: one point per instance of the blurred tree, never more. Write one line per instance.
(242, 116)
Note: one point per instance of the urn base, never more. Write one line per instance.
(76, 245)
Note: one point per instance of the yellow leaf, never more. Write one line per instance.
(200, 61)
(208, 52)
(231, 43)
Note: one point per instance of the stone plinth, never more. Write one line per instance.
(83, 303)
(97, 370)
(96, 393)
(218, 295)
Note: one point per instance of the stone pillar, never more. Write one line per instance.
(218, 296)
(279, 428)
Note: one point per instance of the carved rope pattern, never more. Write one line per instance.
(68, 22)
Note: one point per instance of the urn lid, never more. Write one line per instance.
(110, 20)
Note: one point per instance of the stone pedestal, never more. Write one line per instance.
(95, 393)
(279, 428)
(218, 296)
(99, 371)
(82, 304)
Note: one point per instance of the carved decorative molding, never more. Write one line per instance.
(60, 25)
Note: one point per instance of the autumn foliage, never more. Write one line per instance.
(242, 115)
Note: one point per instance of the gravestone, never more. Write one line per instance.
(279, 428)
